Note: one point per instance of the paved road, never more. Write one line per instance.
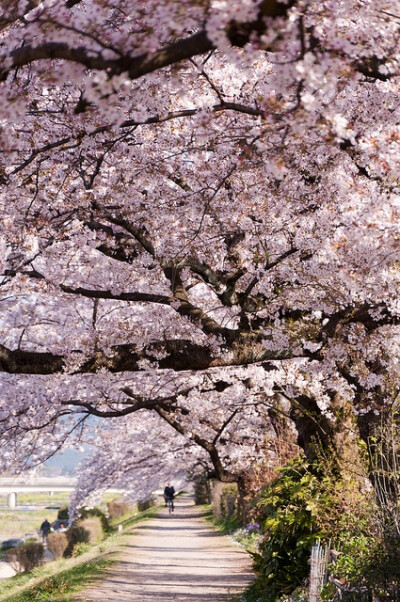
(176, 558)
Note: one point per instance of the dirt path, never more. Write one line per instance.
(175, 557)
(5, 570)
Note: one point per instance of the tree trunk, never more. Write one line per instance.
(335, 438)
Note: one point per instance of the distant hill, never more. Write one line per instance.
(63, 463)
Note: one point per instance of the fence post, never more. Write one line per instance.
(317, 572)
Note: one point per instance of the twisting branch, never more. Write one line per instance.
(222, 474)
(102, 294)
(199, 43)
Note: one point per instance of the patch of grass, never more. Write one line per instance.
(62, 586)
(59, 498)
(15, 523)
(18, 523)
(12, 583)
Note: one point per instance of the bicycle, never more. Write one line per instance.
(170, 504)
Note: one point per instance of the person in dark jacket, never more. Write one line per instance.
(45, 529)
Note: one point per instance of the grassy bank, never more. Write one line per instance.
(61, 580)
(17, 522)
(58, 581)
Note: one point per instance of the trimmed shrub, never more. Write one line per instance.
(93, 528)
(89, 512)
(118, 509)
(224, 499)
(228, 501)
(57, 543)
(145, 505)
(26, 557)
(202, 490)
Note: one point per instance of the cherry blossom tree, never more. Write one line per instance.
(200, 212)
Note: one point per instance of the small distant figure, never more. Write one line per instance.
(45, 529)
(169, 494)
(62, 528)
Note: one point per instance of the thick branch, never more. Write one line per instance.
(102, 294)
(238, 33)
(361, 314)
(180, 355)
(26, 362)
(197, 315)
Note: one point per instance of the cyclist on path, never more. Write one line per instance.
(169, 494)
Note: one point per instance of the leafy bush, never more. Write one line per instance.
(63, 513)
(57, 543)
(249, 537)
(306, 502)
(26, 557)
(76, 534)
(288, 509)
(80, 548)
(367, 568)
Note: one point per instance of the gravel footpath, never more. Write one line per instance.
(174, 557)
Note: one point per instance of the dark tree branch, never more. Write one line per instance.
(197, 315)
(134, 296)
(238, 33)
(26, 362)
(224, 425)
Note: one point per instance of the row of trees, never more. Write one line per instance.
(200, 230)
